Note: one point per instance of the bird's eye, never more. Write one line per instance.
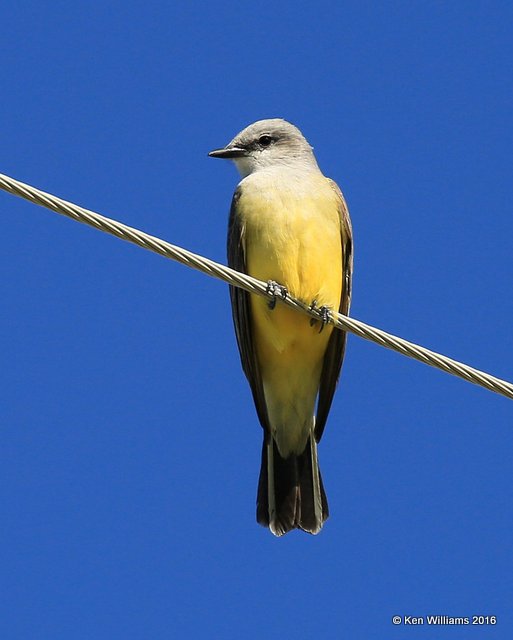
(265, 141)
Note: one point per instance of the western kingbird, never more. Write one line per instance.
(289, 224)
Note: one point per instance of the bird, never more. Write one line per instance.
(289, 226)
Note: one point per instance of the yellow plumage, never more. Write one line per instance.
(292, 235)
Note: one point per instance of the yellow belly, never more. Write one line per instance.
(294, 239)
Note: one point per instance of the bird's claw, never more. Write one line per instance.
(275, 290)
(324, 313)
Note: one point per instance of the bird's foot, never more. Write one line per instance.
(324, 313)
(275, 290)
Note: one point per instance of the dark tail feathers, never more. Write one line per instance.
(295, 497)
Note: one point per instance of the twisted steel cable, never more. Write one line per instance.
(252, 285)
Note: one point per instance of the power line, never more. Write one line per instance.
(252, 285)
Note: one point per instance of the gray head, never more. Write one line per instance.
(268, 143)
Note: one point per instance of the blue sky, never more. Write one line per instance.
(130, 447)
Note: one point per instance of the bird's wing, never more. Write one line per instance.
(241, 312)
(337, 342)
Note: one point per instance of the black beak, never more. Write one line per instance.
(228, 153)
